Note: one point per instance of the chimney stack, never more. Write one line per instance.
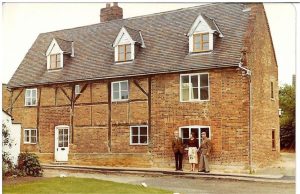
(111, 12)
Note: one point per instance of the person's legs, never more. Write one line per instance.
(176, 160)
(206, 163)
(180, 157)
(201, 163)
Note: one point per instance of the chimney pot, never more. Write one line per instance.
(115, 4)
(107, 5)
(111, 13)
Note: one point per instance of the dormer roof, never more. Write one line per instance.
(65, 45)
(134, 35)
(208, 23)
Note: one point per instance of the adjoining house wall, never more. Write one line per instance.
(5, 98)
(14, 137)
(260, 58)
(226, 113)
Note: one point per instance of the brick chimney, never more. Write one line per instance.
(111, 12)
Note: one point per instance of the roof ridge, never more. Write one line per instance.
(136, 17)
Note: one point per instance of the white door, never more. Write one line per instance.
(61, 143)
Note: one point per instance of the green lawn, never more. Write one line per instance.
(78, 185)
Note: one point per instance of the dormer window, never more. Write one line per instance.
(57, 50)
(201, 34)
(200, 42)
(126, 43)
(124, 52)
(55, 61)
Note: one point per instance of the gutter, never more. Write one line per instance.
(248, 73)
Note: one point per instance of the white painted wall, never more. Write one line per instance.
(15, 136)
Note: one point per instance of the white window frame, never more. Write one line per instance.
(31, 98)
(112, 91)
(139, 126)
(190, 86)
(77, 89)
(195, 126)
(24, 138)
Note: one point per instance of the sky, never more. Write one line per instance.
(22, 22)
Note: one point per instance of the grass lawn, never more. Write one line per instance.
(78, 185)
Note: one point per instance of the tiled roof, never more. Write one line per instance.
(166, 49)
(134, 34)
(65, 45)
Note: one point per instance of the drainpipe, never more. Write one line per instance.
(248, 72)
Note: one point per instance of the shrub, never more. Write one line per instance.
(29, 164)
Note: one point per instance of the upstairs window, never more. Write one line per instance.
(194, 87)
(31, 97)
(77, 89)
(200, 42)
(120, 91)
(124, 53)
(55, 61)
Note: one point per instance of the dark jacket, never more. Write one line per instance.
(205, 146)
(177, 145)
(193, 143)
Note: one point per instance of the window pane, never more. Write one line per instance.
(60, 138)
(33, 133)
(128, 48)
(197, 38)
(143, 139)
(135, 139)
(185, 79)
(60, 131)
(194, 94)
(205, 130)
(185, 94)
(197, 46)
(116, 86)
(204, 93)
(27, 93)
(33, 139)
(143, 130)
(121, 49)
(124, 85)
(52, 61)
(205, 46)
(205, 37)
(128, 56)
(194, 80)
(65, 144)
(185, 133)
(203, 80)
(33, 93)
(185, 141)
(134, 131)
(60, 144)
(33, 101)
(66, 131)
(124, 94)
(116, 95)
(27, 102)
(196, 131)
(121, 57)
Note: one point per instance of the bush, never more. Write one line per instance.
(28, 164)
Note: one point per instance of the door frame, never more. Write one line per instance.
(56, 139)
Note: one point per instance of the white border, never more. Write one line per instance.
(29, 142)
(139, 126)
(112, 91)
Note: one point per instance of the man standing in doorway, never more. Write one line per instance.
(204, 149)
(177, 147)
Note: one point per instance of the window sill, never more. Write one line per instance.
(123, 62)
(195, 101)
(138, 144)
(53, 70)
(195, 53)
(30, 105)
(29, 143)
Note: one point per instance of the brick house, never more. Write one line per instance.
(112, 93)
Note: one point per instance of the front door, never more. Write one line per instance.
(61, 143)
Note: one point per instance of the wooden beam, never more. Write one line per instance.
(81, 90)
(55, 96)
(63, 90)
(72, 112)
(16, 97)
(138, 85)
(109, 115)
(38, 114)
(149, 108)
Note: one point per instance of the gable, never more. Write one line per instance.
(123, 38)
(53, 48)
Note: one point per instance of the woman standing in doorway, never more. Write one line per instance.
(192, 153)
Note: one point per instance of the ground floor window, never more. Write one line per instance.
(139, 135)
(185, 132)
(30, 136)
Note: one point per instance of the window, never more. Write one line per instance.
(272, 90)
(184, 133)
(139, 135)
(120, 90)
(77, 89)
(200, 42)
(55, 61)
(124, 53)
(273, 140)
(30, 136)
(194, 87)
(30, 97)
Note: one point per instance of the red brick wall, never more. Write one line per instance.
(260, 58)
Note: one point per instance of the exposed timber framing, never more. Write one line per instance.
(109, 114)
(38, 114)
(149, 108)
(138, 85)
(13, 102)
(72, 112)
(64, 91)
(81, 90)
